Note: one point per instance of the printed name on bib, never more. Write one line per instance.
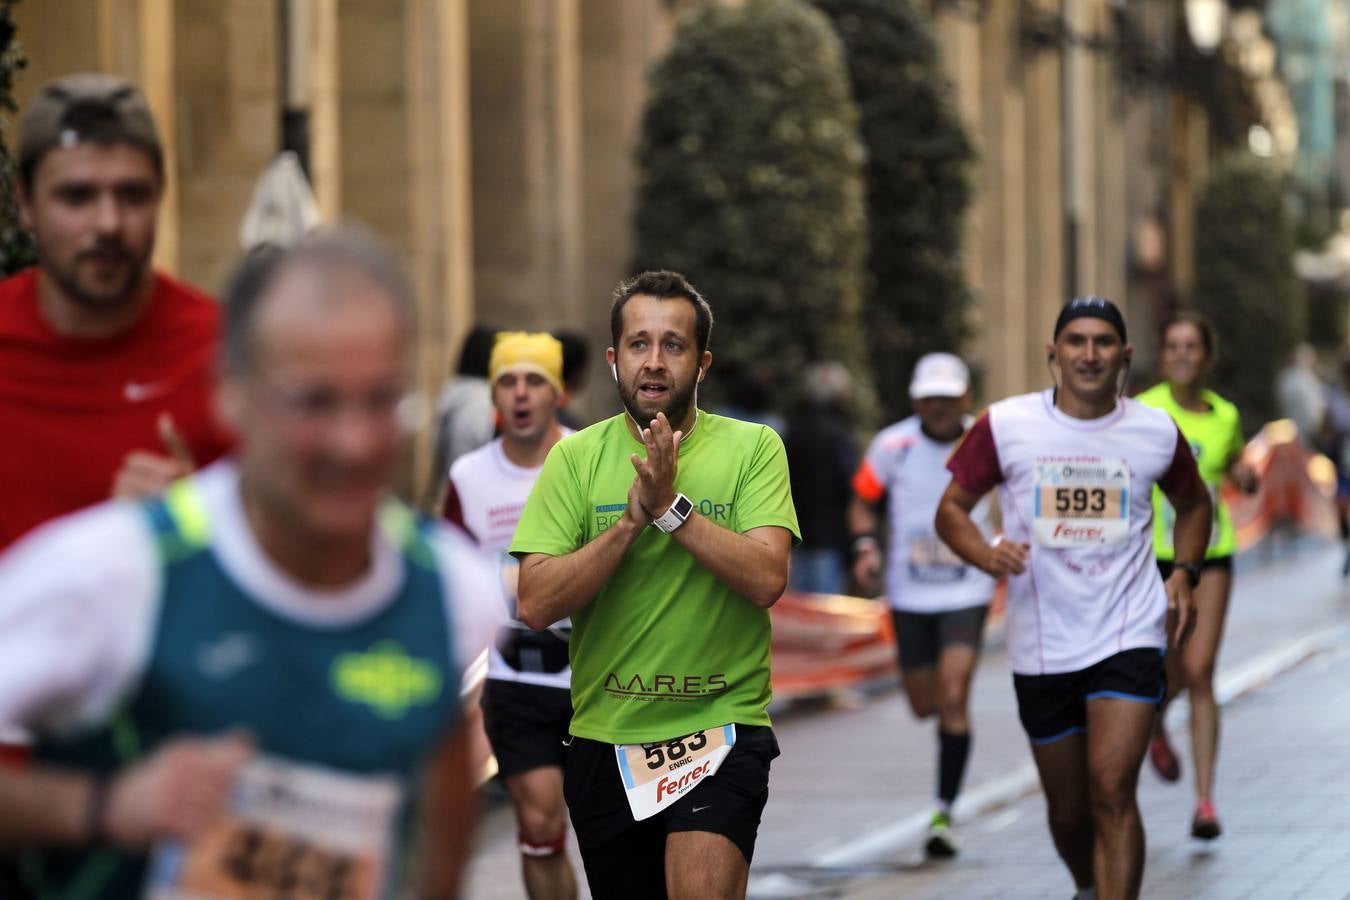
(297, 831)
(1081, 502)
(932, 561)
(656, 775)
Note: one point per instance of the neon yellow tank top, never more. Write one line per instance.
(1215, 438)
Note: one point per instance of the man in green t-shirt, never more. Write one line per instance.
(664, 532)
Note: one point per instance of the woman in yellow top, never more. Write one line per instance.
(1210, 424)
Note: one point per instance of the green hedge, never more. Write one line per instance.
(750, 183)
(918, 189)
(1245, 281)
(16, 245)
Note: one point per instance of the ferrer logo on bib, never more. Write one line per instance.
(1081, 502)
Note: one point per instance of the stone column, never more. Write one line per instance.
(525, 127)
(226, 119)
(620, 39)
(1045, 223)
(1002, 204)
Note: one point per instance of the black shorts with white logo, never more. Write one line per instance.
(626, 859)
(527, 724)
(920, 638)
(1055, 706)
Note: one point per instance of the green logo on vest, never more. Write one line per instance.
(387, 679)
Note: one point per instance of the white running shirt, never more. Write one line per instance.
(486, 494)
(1078, 491)
(79, 602)
(908, 468)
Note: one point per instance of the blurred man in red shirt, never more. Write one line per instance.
(105, 364)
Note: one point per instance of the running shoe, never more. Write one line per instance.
(1164, 758)
(1206, 823)
(941, 841)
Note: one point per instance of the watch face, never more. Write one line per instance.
(683, 506)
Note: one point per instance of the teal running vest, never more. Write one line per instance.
(376, 697)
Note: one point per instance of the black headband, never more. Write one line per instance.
(1091, 308)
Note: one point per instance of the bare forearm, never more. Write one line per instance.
(552, 588)
(752, 568)
(1191, 535)
(959, 532)
(44, 807)
(861, 519)
(449, 821)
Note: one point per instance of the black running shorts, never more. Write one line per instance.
(527, 724)
(625, 859)
(920, 638)
(1055, 706)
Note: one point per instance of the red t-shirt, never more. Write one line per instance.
(72, 409)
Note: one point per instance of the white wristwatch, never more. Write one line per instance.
(675, 516)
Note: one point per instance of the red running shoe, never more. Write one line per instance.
(1206, 823)
(1164, 759)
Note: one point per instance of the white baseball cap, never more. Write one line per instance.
(939, 375)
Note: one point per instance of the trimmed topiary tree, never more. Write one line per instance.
(750, 183)
(1245, 282)
(16, 245)
(919, 161)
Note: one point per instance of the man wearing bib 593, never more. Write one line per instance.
(1088, 615)
(664, 532)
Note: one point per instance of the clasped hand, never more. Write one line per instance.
(653, 488)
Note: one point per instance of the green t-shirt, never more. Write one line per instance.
(1215, 438)
(665, 649)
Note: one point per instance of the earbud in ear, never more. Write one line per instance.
(614, 367)
(700, 376)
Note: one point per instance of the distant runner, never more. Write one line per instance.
(938, 602)
(527, 704)
(1210, 423)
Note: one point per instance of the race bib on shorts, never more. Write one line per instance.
(933, 562)
(295, 831)
(1081, 502)
(656, 775)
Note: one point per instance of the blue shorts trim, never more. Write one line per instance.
(1036, 742)
(1121, 695)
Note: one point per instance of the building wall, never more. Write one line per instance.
(491, 141)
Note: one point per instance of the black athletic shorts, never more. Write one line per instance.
(1165, 566)
(624, 859)
(1055, 706)
(527, 724)
(920, 638)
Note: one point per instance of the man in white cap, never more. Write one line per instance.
(527, 700)
(938, 603)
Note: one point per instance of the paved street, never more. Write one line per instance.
(851, 789)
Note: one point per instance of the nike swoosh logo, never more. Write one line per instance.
(139, 392)
(699, 809)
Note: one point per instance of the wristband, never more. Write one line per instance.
(1192, 571)
(96, 807)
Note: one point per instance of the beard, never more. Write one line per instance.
(90, 296)
(679, 399)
